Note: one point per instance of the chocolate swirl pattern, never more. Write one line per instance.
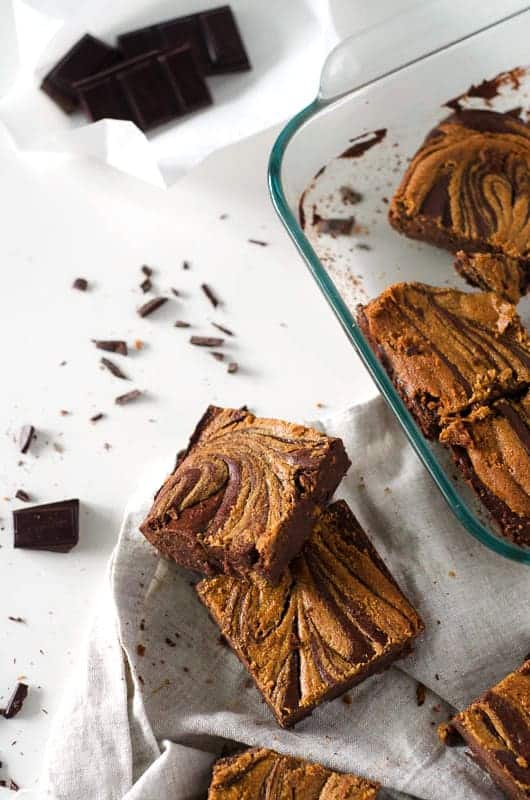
(468, 186)
(446, 350)
(492, 448)
(496, 727)
(242, 496)
(336, 617)
(264, 774)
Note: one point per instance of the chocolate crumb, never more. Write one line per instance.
(349, 196)
(97, 417)
(16, 701)
(9, 783)
(210, 294)
(186, 265)
(258, 241)
(170, 642)
(22, 495)
(185, 669)
(181, 324)
(24, 438)
(140, 649)
(233, 367)
(420, 694)
(146, 270)
(16, 619)
(223, 216)
(112, 345)
(175, 292)
(63, 412)
(146, 285)
(363, 246)
(114, 369)
(222, 641)
(123, 399)
(218, 356)
(223, 329)
(206, 341)
(346, 699)
(81, 284)
(151, 306)
(335, 227)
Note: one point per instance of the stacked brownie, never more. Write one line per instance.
(295, 585)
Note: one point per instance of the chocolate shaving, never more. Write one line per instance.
(123, 399)
(16, 701)
(9, 783)
(233, 367)
(22, 495)
(206, 341)
(223, 329)
(81, 284)
(151, 306)
(24, 438)
(181, 324)
(258, 241)
(420, 694)
(97, 417)
(16, 619)
(214, 300)
(112, 345)
(368, 140)
(114, 369)
(218, 356)
(147, 270)
(146, 285)
(175, 292)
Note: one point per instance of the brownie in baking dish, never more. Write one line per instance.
(242, 497)
(492, 448)
(261, 774)
(494, 272)
(446, 350)
(496, 728)
(336, 617)
(468, 187)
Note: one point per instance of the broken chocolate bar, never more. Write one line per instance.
(54, 526)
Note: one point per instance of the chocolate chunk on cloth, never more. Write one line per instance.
(243, 496)
(468, 188)
(496, 728)
(53, 526)
(446, 350)
(261, 773)
(336, 617)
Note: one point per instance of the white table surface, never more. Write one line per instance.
(292, 355)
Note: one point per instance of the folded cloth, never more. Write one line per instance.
(158, 697)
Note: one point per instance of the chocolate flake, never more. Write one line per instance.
(22, 495)
(186, 265)
(16, 701)
(368, 140)
(146, 285)
(151, 306)
(181, 324)
(147, 270)
(81, 284)
(112, 345)
(123, 399)
(349, 196)
(25, 436)
(9, 783)
(206, 341)
(258, 241)
(233, 367)
(218, 356)
(114, 369)
(420, 694)
(16, 619)
(97, 417)
(175, 292)
(223, 329)
(210, 294)
(170, 642)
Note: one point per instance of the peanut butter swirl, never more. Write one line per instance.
(265, 775)
(468, 186)
(242, 495)
(497, 729)
(335, 617)
(447, 350)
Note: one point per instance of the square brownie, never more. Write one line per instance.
(467, 187)
(446, 350)
(336, 617)
(496, 728)
(492, 448)
(494, 273)
(242, 497)
(261, 774)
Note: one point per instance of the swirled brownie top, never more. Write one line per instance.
(446, 350)
(336, 617)
(260, 774)
(242, 496)
(468, 186)
(496, 728)
(492, 447)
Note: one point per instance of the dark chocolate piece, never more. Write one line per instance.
(53, 526)
(97, 417)
(151, 306)
(218, 356)
(243, 495)
(22, 495)
(263, 774)
(213, 36)
(206, 341)
(175, 292)
(258, 241)
(223, 329)
(496, 728)
(112, 345)
(9, 783)
(210, 294)
(181, 324)
(146, 270)
(129, 397)
(336, 617)
(146, 285)
(186, 265)
(233, 367)
(114, 369)
(16, 619)
(25, 438)
(16, 701)
(81, 284)
(88, 56)
(149, 90)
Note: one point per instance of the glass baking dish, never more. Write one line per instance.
(407, 101)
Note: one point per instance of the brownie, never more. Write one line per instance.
(242, 497)
(492, 448)
(446, 350)
(468, 188)
(261, 774)
(494, 272)
(496, 728)
(336, 617)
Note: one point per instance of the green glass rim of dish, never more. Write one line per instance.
(459, 508)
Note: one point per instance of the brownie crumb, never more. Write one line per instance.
(210, 294)
(146, 270)
(22, 495)
(97, 417)
(170, 642)
(146, 285)
(114, 369)
(181, 324)
(346, 699)
(81, 284)
(335, 227)
(16, 619)
(129, 397)
(9, 783)
(420, 694)
(140, 649)
(151, 306)
(186, 265)
(233, 367)
(206, 341)
(112, 345)
(349, 196)
(218, 356)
